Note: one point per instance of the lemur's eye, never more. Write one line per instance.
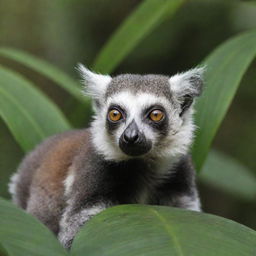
(114, 115)
(156, 115)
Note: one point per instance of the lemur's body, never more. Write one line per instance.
(127, 156)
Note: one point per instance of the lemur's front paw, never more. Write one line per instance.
(66, 239)
(67, 244)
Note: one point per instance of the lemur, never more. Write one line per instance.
(135, 151)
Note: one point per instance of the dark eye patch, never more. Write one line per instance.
(112, 126)
(162, 126)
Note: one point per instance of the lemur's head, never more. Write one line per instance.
(142, 115)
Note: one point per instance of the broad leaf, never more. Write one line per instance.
(3, 252)
(137, 26)
(23, 235)
(160, 231)
(225, 69)
(227, 174)
(46, 69)
(28, 113)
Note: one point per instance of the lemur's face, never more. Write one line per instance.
(142, 116)
(137, 123)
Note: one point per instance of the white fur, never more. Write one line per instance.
(13, 183)
(193, 205)
(109, 146)
(68, 182)
(96, 84)
(70, 224)
(95, 209)
(85, 214)
(134, 104)
(175, 144)
(180, 83)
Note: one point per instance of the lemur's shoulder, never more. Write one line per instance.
(63, 148)
(57, 152)
(48, 165)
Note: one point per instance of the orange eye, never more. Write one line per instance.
(156, 115)
(114, 115)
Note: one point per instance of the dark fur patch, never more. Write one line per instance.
(112, 126)
(187, 102)
(161, 127)
(99, 180)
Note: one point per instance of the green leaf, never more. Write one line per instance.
(46, 69)
(227, 174)
(137, 26)
(28, 113)
(160, 231)
(225, 69)
(23, 235)
(3, 252)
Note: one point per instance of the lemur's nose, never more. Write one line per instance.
(131, 133)
(133, 142)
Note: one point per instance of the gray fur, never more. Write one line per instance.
(73, 176)
(156, 84)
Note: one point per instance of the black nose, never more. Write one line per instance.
(133, 142)
(131, 133)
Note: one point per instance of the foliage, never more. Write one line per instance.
(225, 68)
(158, 230)
(130, 230)
(31, 116)
(46, 69)
(228, 175)
(23, 235)
(143, 20)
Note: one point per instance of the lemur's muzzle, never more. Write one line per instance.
(133, 142)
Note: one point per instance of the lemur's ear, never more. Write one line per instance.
(186, 86)
(95, 84)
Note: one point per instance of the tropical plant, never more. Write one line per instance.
(31, 116)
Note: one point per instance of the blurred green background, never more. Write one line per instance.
(65, 32)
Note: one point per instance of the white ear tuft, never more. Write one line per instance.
(186, 86)
(95, 84)
(187, 83)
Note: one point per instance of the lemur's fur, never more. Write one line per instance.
(74, 175)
